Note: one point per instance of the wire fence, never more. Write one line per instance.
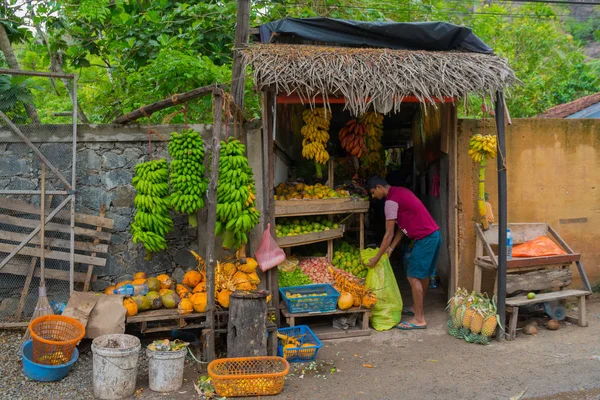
(35, 111)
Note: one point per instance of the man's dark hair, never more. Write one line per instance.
(376, 180)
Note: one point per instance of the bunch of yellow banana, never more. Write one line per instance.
(482, 147)
(236, 214)
(315, 133)
(187, 173)
(373, 160)
(152, 221)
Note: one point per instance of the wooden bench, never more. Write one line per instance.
(530, 273)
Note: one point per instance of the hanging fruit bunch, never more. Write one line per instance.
(187, 173)
(373, 160)
(316, 134)
(482, 148)
(231, 276)
(152, 221)
(352, 137)
(473, 317)
(236, 214)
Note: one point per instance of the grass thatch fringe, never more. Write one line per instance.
(367, 76)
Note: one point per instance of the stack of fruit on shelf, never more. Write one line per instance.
(353, 292)
(317, 269)
(316, 135)
(303, 225)
(347, 257)
(293, 278)
(352, 138)
(152, 221)
(473, 317)
(373, 161)
(354, 190)
(187, 173)
(236, 214)
(301, 191)
(190, 295)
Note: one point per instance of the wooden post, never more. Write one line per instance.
(238, 75)
(502, 213)
(247, 327)
(211, 208)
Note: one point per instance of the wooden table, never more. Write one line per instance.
(363, 329)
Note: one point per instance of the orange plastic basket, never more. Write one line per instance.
(252, 376)
(54, 338)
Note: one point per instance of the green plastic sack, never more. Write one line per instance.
(387, 313)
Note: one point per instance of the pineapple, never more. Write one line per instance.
(467, 317)
(489, 325)
(477, 321)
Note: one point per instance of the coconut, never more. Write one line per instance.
(552, 325)
(155, 300)
(170, 299)
(143, 302)
(153, 284)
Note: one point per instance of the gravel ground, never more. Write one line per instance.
(75, 386)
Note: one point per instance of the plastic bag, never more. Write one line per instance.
(538, 247)
(387, 312)
(269, 255)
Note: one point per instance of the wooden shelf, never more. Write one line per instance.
(326, 332)
(308, 238)
(162, 315)
(292, 208)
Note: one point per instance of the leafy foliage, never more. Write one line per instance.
(128, 53)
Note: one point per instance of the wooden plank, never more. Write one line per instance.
(88, 279)
(352, 310)
(547, 261)
(512, 324)
(15, 268)
(52, 226)
(522, 232)
(162, 315)
(15, 205)
(289, 208)
(477, 275)
(453, 201)
(538, 280)
(238, 74)
(26, 286)
(519, 301)
(361, 233)
(54, 255)
(307, 238)
(341, 334)
(486, 244)
(173, 327)
(61, 243)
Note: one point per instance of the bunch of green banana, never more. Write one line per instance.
(152, 221)
(482, 147)
(373, 160)
(236, 214)
(187, 173)
(316, 135)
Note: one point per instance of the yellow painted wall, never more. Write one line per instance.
(553, 173)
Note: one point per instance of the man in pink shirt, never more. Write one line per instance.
(404, 209)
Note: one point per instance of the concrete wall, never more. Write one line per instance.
(553, 169)
(106, 155)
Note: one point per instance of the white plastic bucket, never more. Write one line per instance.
(115, 365)
(165, 369)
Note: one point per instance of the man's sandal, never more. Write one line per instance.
(409, 327)
(406, 311)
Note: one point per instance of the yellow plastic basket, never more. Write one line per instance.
(248, 376)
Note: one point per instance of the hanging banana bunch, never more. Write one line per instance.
(482, 148)
(188, 178)
(152, 221)
(316, 135)
(373, 161)
(236, 214)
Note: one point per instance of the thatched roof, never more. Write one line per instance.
(567, 109)
(367, 75)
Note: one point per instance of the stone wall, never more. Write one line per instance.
(106, 155)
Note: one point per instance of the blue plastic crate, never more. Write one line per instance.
(299, 354)
(308, 304)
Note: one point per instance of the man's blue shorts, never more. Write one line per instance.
(424, 256)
